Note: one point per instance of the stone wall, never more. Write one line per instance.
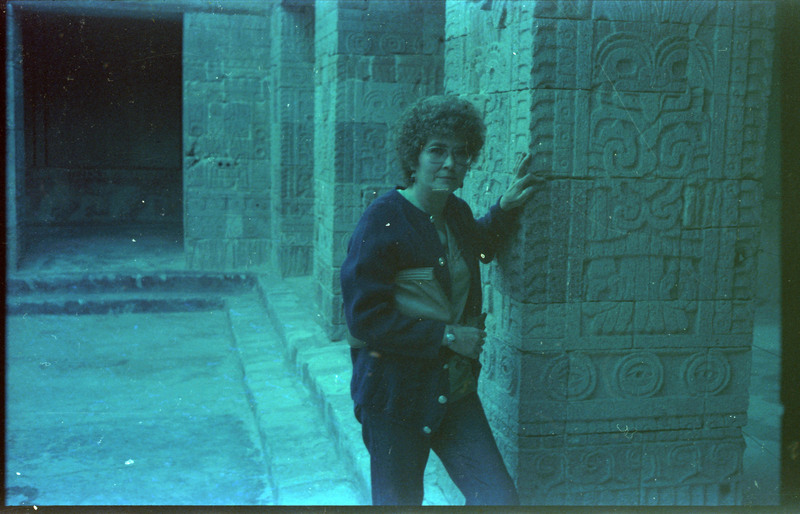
(226, 141)
(618, 364)
(292, 85)
(373, 57)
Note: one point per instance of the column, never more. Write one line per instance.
(292, 87)
(373, 58)
(226, 143)
(618, 362)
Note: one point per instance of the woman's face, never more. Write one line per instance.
(443, 163)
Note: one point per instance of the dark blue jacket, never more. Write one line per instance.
(402, 371)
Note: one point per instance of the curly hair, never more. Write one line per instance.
(436, 116)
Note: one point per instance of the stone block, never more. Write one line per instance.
(361, 152)
(341, 237)
(353, 39)
(756, 14)
(255, 226)
(296, 260)
(414, 71)
(627, 134)
(296, 146)
(682, 12)
(693, 468)
(355, 67)
(374, 102)
(561, 54)
(563, 9)
(251, 254)
(640, 57)
(457, 17)
(681, 468)
(592, 391)
(296, 104)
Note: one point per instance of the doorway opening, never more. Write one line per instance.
(102, 101)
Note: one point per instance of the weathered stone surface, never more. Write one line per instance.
(372, 60)
(623, 304)
(227, 207)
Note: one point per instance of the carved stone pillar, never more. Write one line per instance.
(373, 58)
(618, 365)
(226, 133)
(292, 86)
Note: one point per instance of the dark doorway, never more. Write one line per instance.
(103, 131)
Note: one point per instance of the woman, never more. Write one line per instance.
(412, 299)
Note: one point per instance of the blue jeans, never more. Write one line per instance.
(463, 442)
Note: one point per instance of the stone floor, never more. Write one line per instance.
(183, 406)
(296, 455)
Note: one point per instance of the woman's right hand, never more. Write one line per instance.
(468, 341)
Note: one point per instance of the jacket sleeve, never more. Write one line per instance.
(367, 278)
(491, 230)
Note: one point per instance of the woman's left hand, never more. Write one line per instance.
(521, 187)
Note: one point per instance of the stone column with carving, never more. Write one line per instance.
(226, 133)
(292, 156)
(373, 57)
(618, 362)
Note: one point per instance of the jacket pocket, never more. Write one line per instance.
(419, 294)
(414, 274)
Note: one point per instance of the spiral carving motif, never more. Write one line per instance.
(706, 373)
(572, 376)
(358, 43)
(547, 468)
(638, 375)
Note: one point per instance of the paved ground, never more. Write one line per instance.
(158, 408)
(211, 412)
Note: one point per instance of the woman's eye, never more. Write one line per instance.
(438, 151)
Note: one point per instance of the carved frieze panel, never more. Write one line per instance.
(373, 102)
(627, 135)
(690, 467)
(355, 40)
(361, 153)
(597, 391)
(685, 12)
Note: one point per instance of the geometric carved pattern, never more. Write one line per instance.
(638, 375)
(706, 373)
(623, 304)
(576, 370)
(369, 64)
(226, 215)
(679, 468)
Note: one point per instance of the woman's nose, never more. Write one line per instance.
(448, 161)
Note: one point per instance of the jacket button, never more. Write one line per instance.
(446, 366)
(443, 399)
(431, 218)
(441, 261)
(426, 429)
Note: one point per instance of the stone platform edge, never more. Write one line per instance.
(325, 369)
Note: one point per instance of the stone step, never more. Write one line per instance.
(111, 303)
(307, 464)
(325, 368)
(121, 282)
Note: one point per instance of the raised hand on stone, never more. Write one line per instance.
(521, 187)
